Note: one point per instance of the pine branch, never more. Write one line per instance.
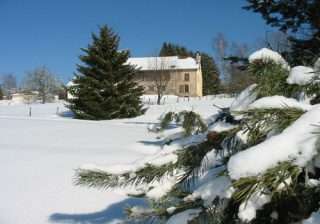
(260, 122)
(271, 79)
(268, 183)
(191, 122)
(102, 179)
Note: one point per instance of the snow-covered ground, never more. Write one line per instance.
(39, 155)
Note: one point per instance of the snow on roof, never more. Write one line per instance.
(163, 63)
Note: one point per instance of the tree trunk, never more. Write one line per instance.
(43, 99)
(159, 99)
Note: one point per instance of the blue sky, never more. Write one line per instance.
(51, 32)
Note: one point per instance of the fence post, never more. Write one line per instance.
(30, 111)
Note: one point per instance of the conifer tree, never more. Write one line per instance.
(300, 19)
(104, 87)
(1, 93)
(210, 73)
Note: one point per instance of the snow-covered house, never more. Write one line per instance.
(182, 76)
(69, 95)
(30, 97)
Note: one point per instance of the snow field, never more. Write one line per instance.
(39, 155)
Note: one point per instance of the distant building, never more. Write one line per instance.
(69, 95)
(183, 75)
(27, 98)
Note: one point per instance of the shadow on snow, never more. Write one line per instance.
(111, 214)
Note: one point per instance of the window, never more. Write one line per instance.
(181, 89)
(186, 88)
(186, 77)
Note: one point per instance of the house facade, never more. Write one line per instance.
(176, 76)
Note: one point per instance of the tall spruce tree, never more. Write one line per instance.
(103, 86)
(1, 93)
(210, 73)
(300, 19)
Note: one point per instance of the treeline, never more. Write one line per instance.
(39, 81)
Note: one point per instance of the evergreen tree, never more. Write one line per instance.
(169, 49)
(1, 93)
(104, 87)
(300, 19)
(210, 73)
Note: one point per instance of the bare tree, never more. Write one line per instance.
(221, 46)
(42, 81)
(9, 84)
(160, 75)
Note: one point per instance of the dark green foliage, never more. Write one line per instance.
(104, 86)
(191, 122)
(271, 79)
(260, 122)
(1, 93)
(313, 90)
(210, 72)
(299, 19)
(169, 49)
(291, 208)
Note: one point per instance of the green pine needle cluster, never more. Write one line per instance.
(268, 183)
(105, 180)
(190, 121)
(260, 122)
(271, 79)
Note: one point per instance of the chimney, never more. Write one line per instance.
(198, 57)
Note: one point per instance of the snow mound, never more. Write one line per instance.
(314, 218)
(220, 187)
(296, 143)
(221, 126)
(245, 98)
(184, 217)
(278, 102)
(266, 55)
(300, 75)
(248, 209)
